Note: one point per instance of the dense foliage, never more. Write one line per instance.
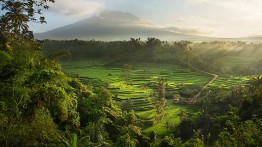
(227, 117)
(36, 94)
(241, 58)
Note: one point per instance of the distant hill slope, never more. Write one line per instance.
(112, 25)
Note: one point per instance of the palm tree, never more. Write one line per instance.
(16, 19)
(19, 13)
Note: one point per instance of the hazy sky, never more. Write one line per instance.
(221, 18)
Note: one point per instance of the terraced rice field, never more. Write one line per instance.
(140, 83)
(172, 117)
(227, 82)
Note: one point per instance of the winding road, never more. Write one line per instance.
(194, 99)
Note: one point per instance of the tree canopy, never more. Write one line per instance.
(17, 14)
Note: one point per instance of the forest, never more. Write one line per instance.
(125, 93)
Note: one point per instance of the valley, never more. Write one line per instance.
(137, 87)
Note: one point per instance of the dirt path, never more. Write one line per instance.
(194, 99)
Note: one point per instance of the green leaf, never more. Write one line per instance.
(74, 140)
(5, 58)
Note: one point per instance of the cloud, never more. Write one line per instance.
(189, 31)
(233, 5)
(76, 7)
(225, 17)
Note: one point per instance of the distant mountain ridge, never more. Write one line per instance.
(118, 25)
(112, 25)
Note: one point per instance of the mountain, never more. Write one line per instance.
(112, 25)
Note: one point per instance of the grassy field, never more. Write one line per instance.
(227, 82)
(139, 83)
(172, 117)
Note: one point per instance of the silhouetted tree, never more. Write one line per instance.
(18, 13)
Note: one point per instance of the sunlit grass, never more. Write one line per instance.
(140, 84)
(172, 117)
(227, 82)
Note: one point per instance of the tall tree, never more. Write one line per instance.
(18, 13)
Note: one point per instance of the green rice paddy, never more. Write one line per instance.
(227, 82)
(139, 84)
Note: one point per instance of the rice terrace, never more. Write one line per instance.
(123, 73)
(137, 86)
